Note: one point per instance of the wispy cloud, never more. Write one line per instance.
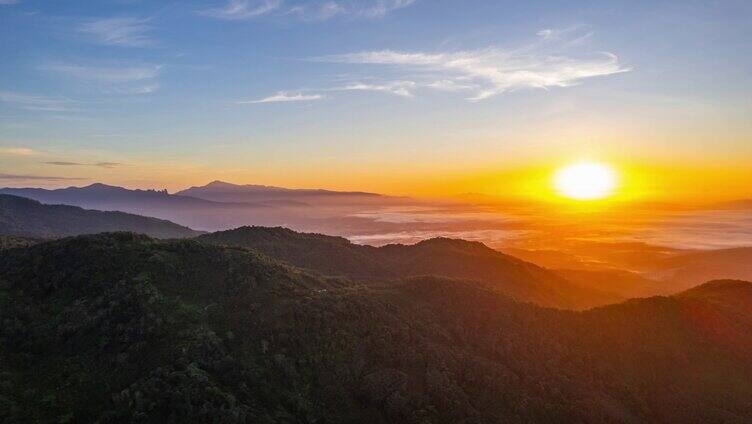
(399, 88)
(323, 10)
(242, 9)
(133, 79)
(124, 32)
(482, 73)
(317, 11)
(309, 10)
(284, 96)
(108, 165)
(107, 74)
(36, 103)
(36, 177)
(381, 7)
(17, 151)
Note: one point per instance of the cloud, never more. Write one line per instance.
(487, 72)
(98, 164)
(317, 11)
(284, 96)
(60, 163)
(107, 74)
(35, 103)
(123, 32)
(381, 7)
(9, 2)
(399, 88)
(242, 9)
(449, 85)
(138, 79)
(17, 151)
(545, 33)
(323, 10)
(307, 10)
(35, 177)
(106, 164)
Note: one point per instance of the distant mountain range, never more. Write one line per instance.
(220, 191)
(112, 198)
(689, 269)
(652, 266)
(20, 216)
(123, 328)
(336, 256)
(217, 205)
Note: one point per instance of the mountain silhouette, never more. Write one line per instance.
(225, 192)
(20, 216)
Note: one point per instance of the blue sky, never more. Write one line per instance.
(340, 93)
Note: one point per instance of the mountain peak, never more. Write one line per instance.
(219, 183)
(100, 186)
(719, 287)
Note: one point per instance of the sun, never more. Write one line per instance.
(585, 181)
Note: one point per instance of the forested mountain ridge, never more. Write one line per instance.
(9, 242)
(24, 217)
(452, 258)
(122, 328)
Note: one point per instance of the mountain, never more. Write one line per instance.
(336, 256)
(124, 328)
(20, 216)
(189, 211)
(622, 283)
(220, 191)
(302, 209)
(689, 269)
(10, 242)
(107, 197)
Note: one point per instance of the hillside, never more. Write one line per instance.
(689, 269)
(20, 216)
(10, 242)
(336, 256)
(623, 283)
(189, 211)
(122, 328)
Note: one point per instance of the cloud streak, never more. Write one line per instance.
(480, 74)
(132, 79)
(323, 10)
(17, 151)
(308, 10)
(284, 96)
(16, 177)
(381, 7)
(122, 32)
(398, 88)
(490, 71)
(107, 165)
(35, 103)
(242, 9)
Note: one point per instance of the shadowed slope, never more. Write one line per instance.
(440, 256)
(136, 329)
(20, 216)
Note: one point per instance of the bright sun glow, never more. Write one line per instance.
(585, 181)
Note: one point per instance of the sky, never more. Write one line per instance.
(407, 97)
